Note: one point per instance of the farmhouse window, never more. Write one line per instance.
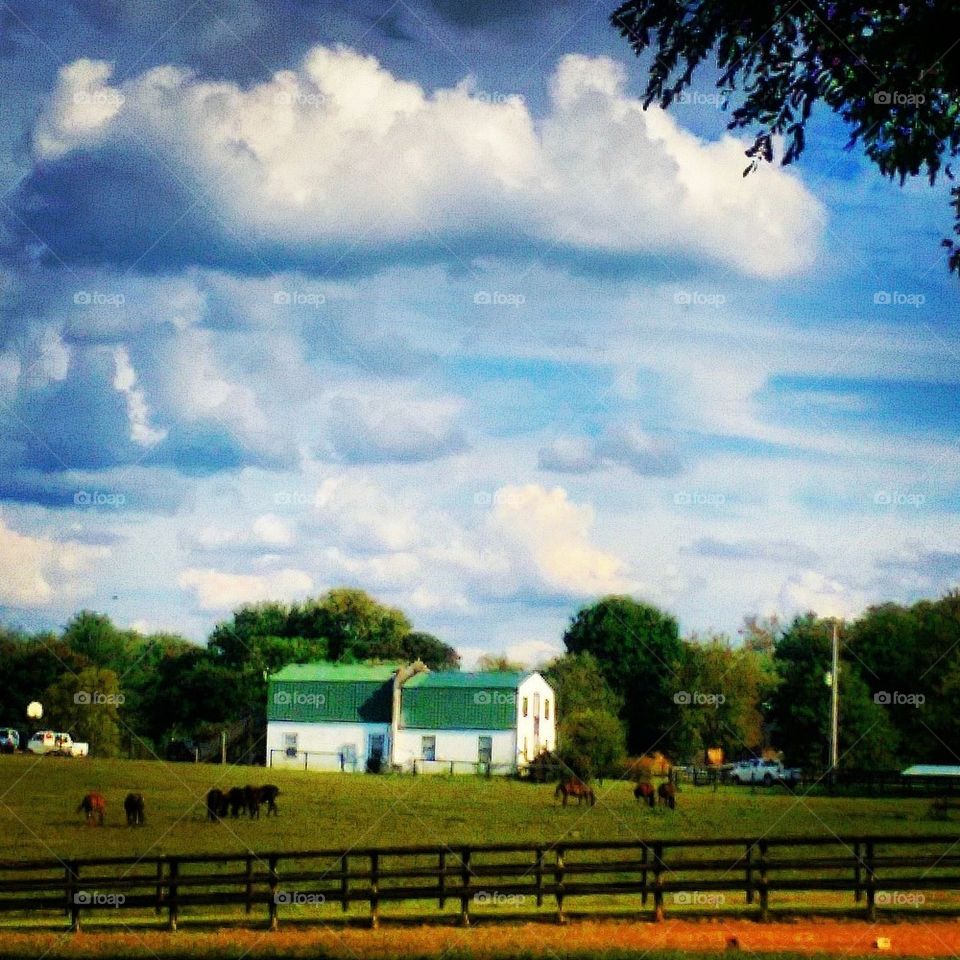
(485, 749)
(290, 744)
(546, 709)
(525, 703)
(428, 748)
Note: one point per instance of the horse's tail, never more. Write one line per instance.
(558, 792)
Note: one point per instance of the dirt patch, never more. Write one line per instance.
(934, 938)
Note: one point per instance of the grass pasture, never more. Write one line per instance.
(39, 796)
(38, 799)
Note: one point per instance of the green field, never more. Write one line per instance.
(39, 796)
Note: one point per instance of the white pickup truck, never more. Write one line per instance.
(766, 772)
(57, 743)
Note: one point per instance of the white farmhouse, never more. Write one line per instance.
(451, 721)
(354, 717)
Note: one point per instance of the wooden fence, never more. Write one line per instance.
(714, 875)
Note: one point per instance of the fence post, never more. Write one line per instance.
(173, 873)
(344, 883)
(249, 884)
(73, 881)
(643, 875)
(374, 890)
(559, 881)
(538, 868)
(158, 906)
(465, 886)
(764, 896)
(749, 872)
(857, 888)
(442, 876)
(274, 881)
(871, 884)
(658, 881)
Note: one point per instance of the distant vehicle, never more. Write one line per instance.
(766, 772)
(9, 740)
(56, 742)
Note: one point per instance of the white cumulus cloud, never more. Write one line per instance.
(300, 159)
(216, 590)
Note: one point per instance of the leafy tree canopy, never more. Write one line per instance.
(888, 70)
(637, 648)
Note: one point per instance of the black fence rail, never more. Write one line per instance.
(757, 874)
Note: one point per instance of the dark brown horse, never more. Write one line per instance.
(94, 807)
(216, 804)
(237, 801)
(252, 799)
(667, 793)
(646, 793)
(133, 808)
(575, 788)
(268, 795)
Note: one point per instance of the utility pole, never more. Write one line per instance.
(834, 701)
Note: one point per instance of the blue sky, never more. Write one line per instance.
(413, 296)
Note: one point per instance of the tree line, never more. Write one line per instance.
(627, 685)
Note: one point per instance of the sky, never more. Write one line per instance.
(414, 296)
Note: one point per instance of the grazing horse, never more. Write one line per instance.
(252, 801)
(268, 795)
(216, 804)
(133, 808)
(645, 792)
(94, 807)
(237, 801)
(667, 794)
(575, 788)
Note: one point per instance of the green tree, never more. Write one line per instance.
(638, 650)
(94, 636)
(722, 688)
(592, 744)
(579, 684)
(801, 704)
(910, 657)
(354, 624)
(31, 664)
(429, 649)
(87, 705)
(884, 69)
(498, 663)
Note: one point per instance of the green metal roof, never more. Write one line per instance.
(332, 693)
(451, 700)
(325, 670)
(456, 679)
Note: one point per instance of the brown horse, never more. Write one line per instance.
(268, 795)
(667, 793)
(94, 807)
(575, 788)
(645, 792)
(216, 804)
(133, 808)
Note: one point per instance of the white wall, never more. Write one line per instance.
(327, 740)
(461, 746)
(536, 691)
